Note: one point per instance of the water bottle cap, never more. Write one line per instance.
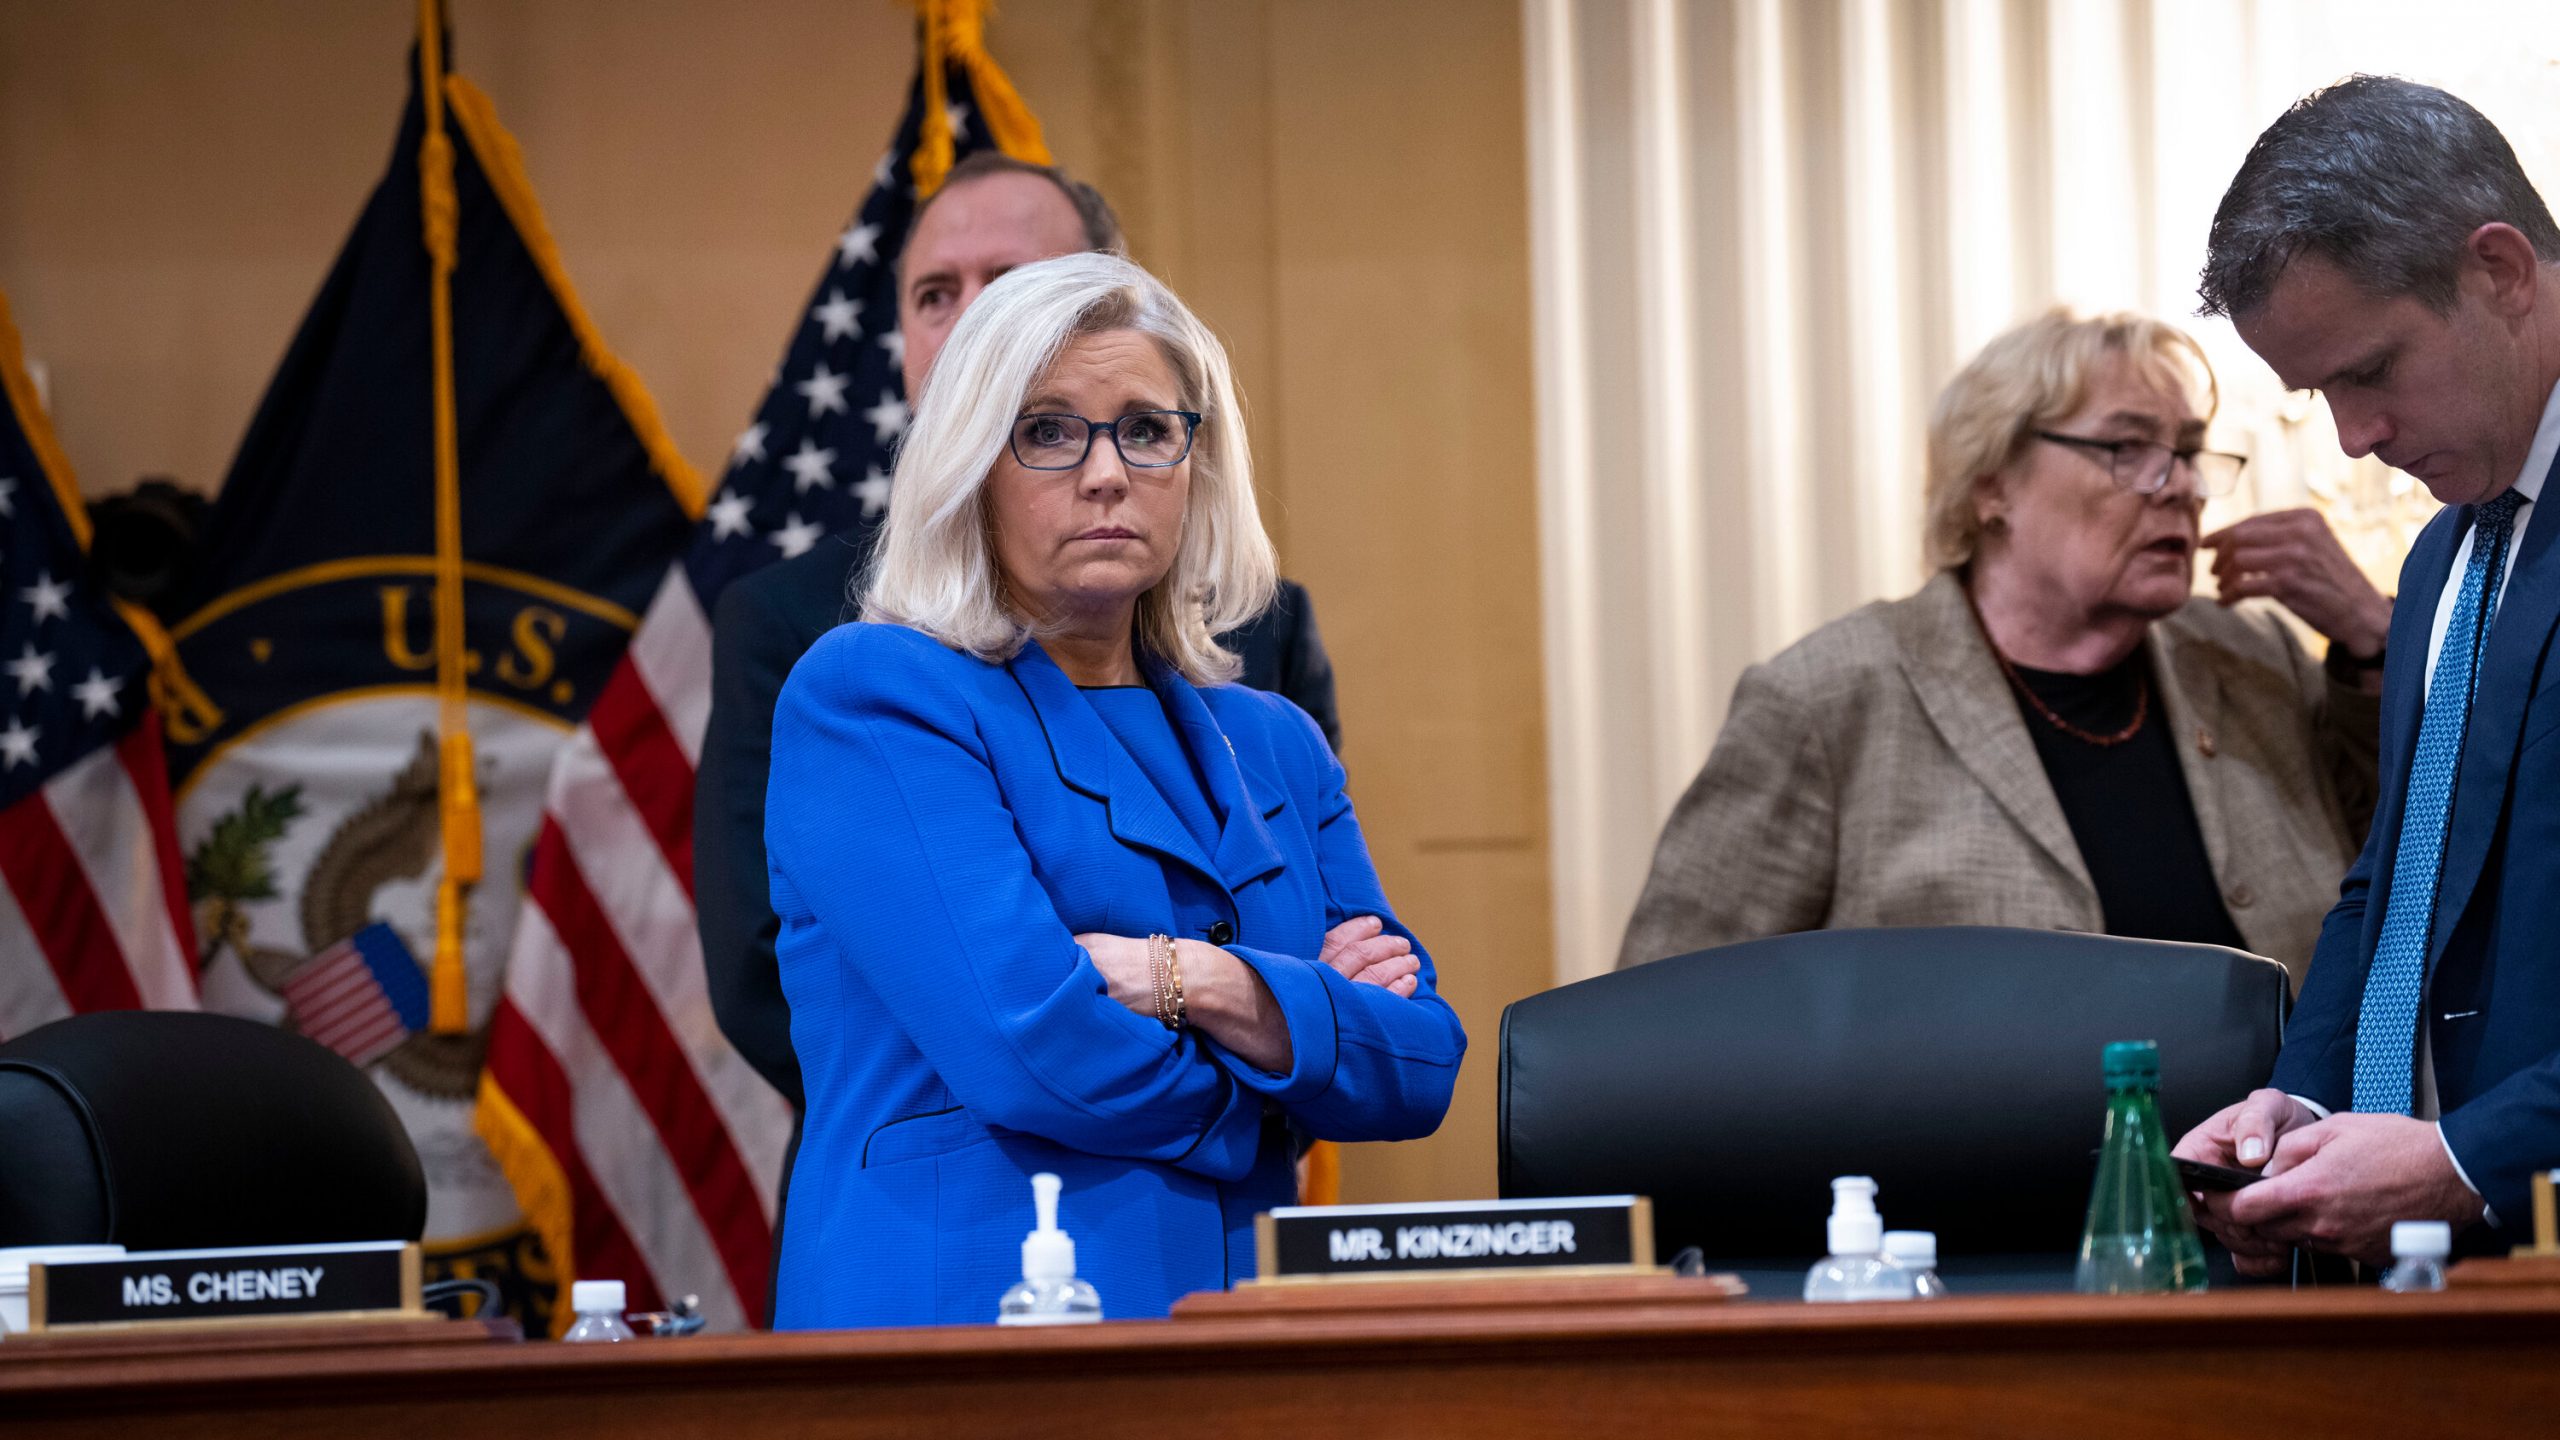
(2421, 1239)
(2132, 1062)
(1912, 1248)
(597, 1297)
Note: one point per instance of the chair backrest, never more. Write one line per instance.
(1958, 1066)
(167, 1130)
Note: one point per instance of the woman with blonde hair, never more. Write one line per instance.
(1054, 896)
(2054, 731)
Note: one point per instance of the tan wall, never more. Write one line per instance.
(1339, 187)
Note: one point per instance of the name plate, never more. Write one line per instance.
(285, 1282)
(1581, 1234)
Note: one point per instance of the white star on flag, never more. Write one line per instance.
(728, 515)
(8, 507)
(49, 597)
(97, 695)
(858, 246)
(796, 537)
(18, 745)
(808, 467)
(895, 342)
(888, 418)
(840, 316)
(824, 390)
(873, 492)
(750, 444)
(958, 115)
(32, 671)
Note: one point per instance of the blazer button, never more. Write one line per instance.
(2242, 897)
(1221, 933)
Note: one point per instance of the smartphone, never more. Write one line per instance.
(2200, 1176)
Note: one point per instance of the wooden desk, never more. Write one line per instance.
(2242, 1364)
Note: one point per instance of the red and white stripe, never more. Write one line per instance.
(337, 1001)
(95, 888)
(669, 1143)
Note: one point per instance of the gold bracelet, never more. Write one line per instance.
(1181, 1008)
(1161, 975)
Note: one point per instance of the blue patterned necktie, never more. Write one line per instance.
(2387, 1027)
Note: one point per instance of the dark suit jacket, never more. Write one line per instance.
(2492, 1003)
(761, 626)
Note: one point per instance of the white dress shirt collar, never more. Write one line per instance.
(2546, 444)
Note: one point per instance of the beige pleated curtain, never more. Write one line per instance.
(1765, 232)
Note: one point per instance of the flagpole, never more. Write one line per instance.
(458, 799)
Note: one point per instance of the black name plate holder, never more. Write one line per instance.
(370, 1280)
(1581, 1235)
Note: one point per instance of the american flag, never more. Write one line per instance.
(94, 912)
(362, 996)
(640, 1150)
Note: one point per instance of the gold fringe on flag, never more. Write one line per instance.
(458, 792)
(541, 1186)
(187, 714)
(955, 33)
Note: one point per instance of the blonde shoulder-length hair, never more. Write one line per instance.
(2025, 380)
(934, 568)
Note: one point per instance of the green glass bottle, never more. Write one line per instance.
(2140, 1239)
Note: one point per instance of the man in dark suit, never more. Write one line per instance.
(2380, 244)
(992, 214)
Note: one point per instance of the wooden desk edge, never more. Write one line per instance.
(2351, 1320)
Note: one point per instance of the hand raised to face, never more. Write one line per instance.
(2294, 558)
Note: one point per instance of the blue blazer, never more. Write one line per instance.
(2492, 1007)
(939, 829)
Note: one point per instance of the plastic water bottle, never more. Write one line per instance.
(1856, 1268)
(599, 1306)
(1915, 1253)
(2418, 1251)
(1050, 1293)
(2139, 1237)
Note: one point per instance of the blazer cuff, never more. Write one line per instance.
(1306, 1009)
(2486, 1212)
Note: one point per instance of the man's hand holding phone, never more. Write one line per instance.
(2242, 1137)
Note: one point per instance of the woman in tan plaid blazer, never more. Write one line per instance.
(2053, 731)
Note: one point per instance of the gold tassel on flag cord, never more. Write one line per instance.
(955, 33)
(458, 795)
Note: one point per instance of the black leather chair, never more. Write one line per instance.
(1958, 1066)
(162, 1130)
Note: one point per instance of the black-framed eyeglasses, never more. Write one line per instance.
(2143, 466)
(1149, 439)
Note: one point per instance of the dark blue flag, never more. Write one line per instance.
(323, 788)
